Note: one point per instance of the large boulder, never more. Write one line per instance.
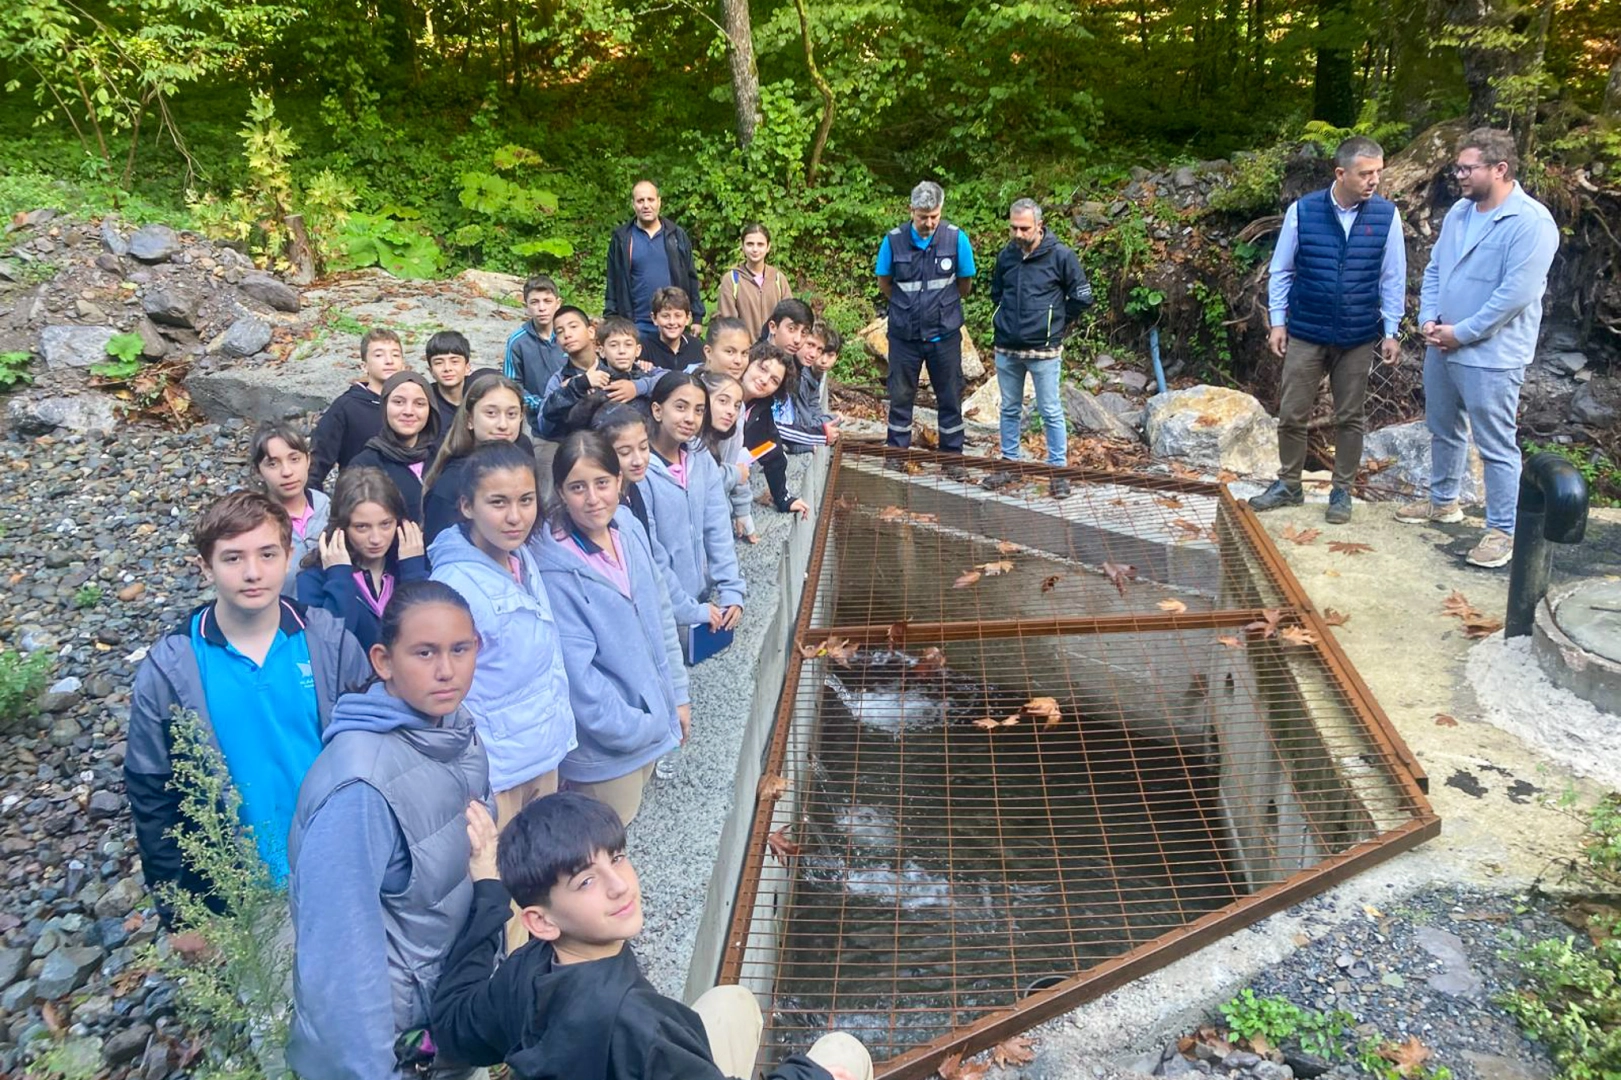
(40, 414)
(1399, 456)
(247, 335)
(875, 337)
(172, 305)
(154, 243)
(984, 405)
(74, 346)
(1215, 428)
(66, 969)
(1086, 413)
(270, 291)
(493, 286)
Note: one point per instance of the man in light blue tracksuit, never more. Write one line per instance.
(1479, 313)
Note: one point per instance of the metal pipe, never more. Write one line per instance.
(1153, 354)
(1552, 510)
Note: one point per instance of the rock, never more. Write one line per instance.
(1587, 409)
(985, 404)
(1119, 404)
(74, 346)
(64, 729)
(155, 1062)
(66, 969)
(59, 701)
(154, 346)
(172, 305)
(1133, 380)
(1305, 1066)
(1271, 1070)
(1184, 177)
(154, 243)
(1570, 362)
(1404, 452)
(105, 804)
(17, 996)
(126, 1045)
(1494, 1067)
(13, 962)
(38, 414)
(79, 1055)
(1086, 413)
(486, 283)
(247, 335)
(1241, 1059)
(118, 901)
(1213, 427)
(875, 338)
(112, 239)
(283, 297)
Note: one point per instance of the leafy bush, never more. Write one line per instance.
(393, 239)
(22, 679)
(1278, 1020)
(14, 369)
(1602, 476)
(125, 350)
(88, 596)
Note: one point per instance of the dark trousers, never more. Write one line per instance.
(906, 361)
(1304, 365)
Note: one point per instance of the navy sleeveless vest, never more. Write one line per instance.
(1334, 299)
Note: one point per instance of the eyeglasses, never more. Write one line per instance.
(1461, 171)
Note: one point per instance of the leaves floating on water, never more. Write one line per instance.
(911, 517)
(846, 502)
(1118, 574)
(967, 578)
(1049, 584)
(1175, 607)
(1007, 547)
(1170, 502)
(1300, 536)
(837, 649)
(1043, 708)
(1349, 547)
(897, 634)
(1297, 635)
(989, 723)
(1001, 566)
(781, 846)
(1266, 625)
(931, 661)
(772, 786)
(1231, 641)
(1335, 618)
(1445, 720)
(1192, 531)
(1015, 1051)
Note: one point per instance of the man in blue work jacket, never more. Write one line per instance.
(925, 269)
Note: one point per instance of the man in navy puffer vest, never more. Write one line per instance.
(1337, 288)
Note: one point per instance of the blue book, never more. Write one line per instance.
(702, 642)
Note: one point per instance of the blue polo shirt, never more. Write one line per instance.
(266, 722)
(649, 272)
(965, 252)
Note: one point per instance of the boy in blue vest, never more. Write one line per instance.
(573, 1002)
(1338, 279)
(533, 353)
(260, 670)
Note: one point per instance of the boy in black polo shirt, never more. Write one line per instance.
(261, 672)
(669, 346)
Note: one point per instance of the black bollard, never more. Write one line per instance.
(1552, 510)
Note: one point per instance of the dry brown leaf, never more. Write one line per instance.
(1259, 1044)
(930, 661)
(1043, 708)
(132, 591)
(840, 650)
(988, 724)
(772, 786)
(1118, 574)
(1457, 605)
(811, 652)
(778, 844)
(1226, 476)
(1175, 607)
(1170, 502)
(1007, 547)
(1297, 635)
(1481, 626)
(1300, 536)
(846, 502)
(1408, 1057)
(1348, 547)
(1049, 584)
(1266, 625)
(53, 1019)
(1335, 618)
(897, 634)
(912, 468)
(1445, 720)
(1018, 1050)
(1231, 641)
(912, 517)
(955, 1068)
(1188, 527)
(967, 578)
(992, 569)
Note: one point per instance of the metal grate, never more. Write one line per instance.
(1124, 732)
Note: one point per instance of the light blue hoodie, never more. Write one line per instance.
(520, 690)
(622, 655)
(695, 526)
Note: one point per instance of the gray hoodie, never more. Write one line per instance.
(379, 886)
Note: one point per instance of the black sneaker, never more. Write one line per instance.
(1339, 507)
(1060, 487)
(1279, 494)
(998, 480)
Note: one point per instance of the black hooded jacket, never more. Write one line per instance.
(1037, 297)
(677, 249)
(353, 418)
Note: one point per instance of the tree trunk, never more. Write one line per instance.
(745, 76)
(827, 97)
(1525, 121)
(1333, 92)
(1612, 90)
(300, 253)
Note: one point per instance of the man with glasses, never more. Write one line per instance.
(1479, 312)
(1338, 279)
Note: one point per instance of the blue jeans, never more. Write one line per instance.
(1010, 373)
(1487, 398)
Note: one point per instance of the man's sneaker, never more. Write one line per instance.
(1060, 487)
(1339, 507)
(998, 480)
(1494, 549)
(1279, 494)
(1423, 511)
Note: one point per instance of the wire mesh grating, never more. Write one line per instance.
(1034, 746)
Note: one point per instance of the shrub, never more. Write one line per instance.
(22, 678)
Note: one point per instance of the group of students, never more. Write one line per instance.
(473, 619)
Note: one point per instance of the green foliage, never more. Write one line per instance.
(1144, 302)
(1214, 335)
(236, 986)
(393, 239)
(503, 214)
(14, 369)
(1278, 1019)
(87, 596)
(22, 678)
(1251, 189)
(125, 350)
(1602, 474)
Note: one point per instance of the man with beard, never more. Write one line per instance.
(1479, 312)
(1038, 288)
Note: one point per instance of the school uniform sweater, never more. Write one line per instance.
(407, 477)
(570, 389)
(308, 540)
(334, 590)
(688, 351)
(763, 443)
(441, 503)
(693, 524)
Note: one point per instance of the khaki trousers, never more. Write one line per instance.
(733, 1023)
(623, 793)
(507, 805)
(1304, 365)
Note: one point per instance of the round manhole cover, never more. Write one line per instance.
(1590, 615)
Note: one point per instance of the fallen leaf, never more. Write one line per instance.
(988, 724)
(1475, 623)
(1007, 547)
(1049, 584)
(891, 513)
(1457, 605)
(897, 634)
(913, 468)
(1297, 635)
(1170, 502)
(1348, 547)
(1011, 721)
(772, 786)
(811, 652)
(1259, 1044)
(1018, 1050)
(992, 569)
(967, 578)
(840, 650)
(1175, 607)
(1481, 626)
(1231, 642)
(53, 1019)
(952, 1067)
(912, 517)
(1300, 536)
(1188, 527)
(1266, 625)
(1185, 1044)
(189, 944)
(1226, 476)
(1043, 708)
(932, 660)
(779, 845)
(1372, 912)
(1335, 618)
(1118, 574)
(14, 578)
(1445, 720)
(1408, 1057)
(846, 502)
(1207, 420)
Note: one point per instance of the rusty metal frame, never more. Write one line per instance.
(1396, 757)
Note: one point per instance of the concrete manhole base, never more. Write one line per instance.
(1576, 640)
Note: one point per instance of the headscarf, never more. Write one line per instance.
(388, 444)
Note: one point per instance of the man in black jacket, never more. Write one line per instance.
(646, 254)
(1038, 287)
